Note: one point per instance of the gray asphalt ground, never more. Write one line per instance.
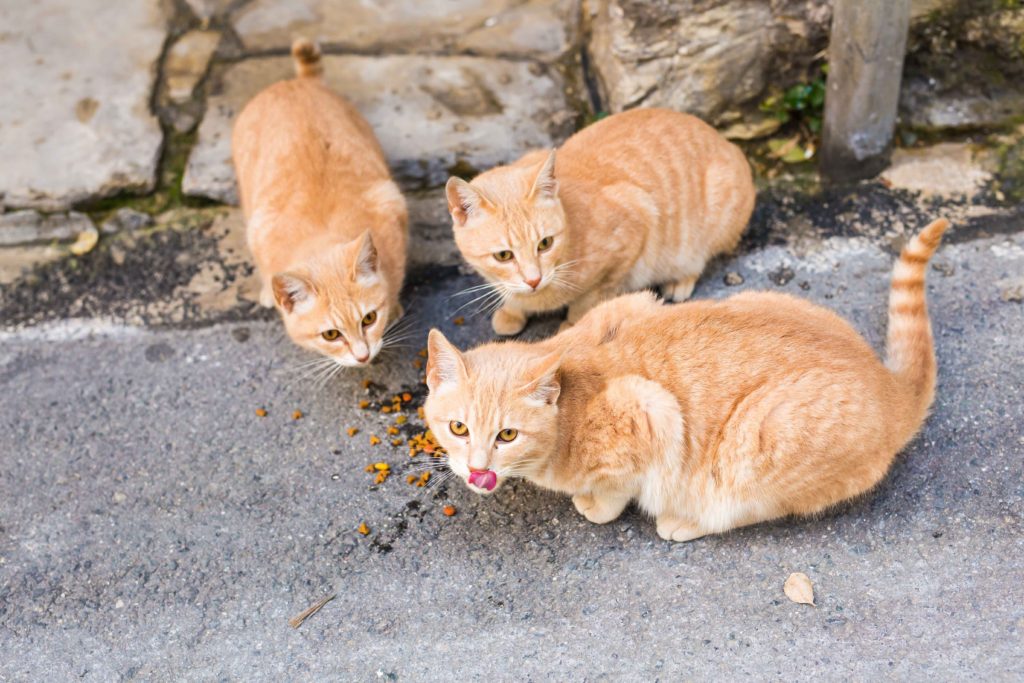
(152, 527)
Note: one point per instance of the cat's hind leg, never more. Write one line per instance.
(677, 529)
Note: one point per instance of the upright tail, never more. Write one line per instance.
(910, 353)
(306, 54)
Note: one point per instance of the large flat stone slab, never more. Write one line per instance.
(430, 113)
(75, 121)
(535, 29)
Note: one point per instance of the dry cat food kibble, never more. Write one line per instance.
(392, 431)
(352, 431)
(364, 404)
(260, 412)
(401, 419)
(374, 439)
(363, 529)
(397, 442)
(424, 443)
(366, 384)
(459, 321)
(297, 415)
(449, 510)
(418, 364)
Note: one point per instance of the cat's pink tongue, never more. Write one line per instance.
(486, 480)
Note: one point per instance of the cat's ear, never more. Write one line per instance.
(367, 261)
(542, 382)
(293, 291)
(545, 186)
(444, 361)
(463, 200)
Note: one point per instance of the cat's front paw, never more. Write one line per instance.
(599, 510)
(507, 322)
(679, 530)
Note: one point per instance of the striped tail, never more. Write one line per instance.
(306, 54)
(910, 353)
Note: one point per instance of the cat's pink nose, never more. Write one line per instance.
(533, 282)
(363, 358)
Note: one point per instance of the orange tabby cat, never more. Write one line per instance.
(711, 414)
(325, 222)
(641, 198)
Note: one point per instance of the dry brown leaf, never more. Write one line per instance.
(85, 242)
(798, 588)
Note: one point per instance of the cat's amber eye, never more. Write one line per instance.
(503, 255)
(458, 429)
(507, 435)
(370, 318)
(545, 243)
(331, 335)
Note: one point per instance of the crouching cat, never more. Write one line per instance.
(641, 198)
(710, 415)
(324, 221)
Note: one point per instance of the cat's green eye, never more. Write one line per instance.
(458, 429)
(545, 244)
(507, 435)
(503, 255)
(331, 335)
(370, 318)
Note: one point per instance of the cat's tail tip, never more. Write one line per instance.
(306, 54)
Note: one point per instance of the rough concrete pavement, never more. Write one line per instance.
(154, 528)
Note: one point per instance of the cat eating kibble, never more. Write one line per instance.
(711, 415)
(324, 221)
(641, 198)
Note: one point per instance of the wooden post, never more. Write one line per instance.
(865, 54)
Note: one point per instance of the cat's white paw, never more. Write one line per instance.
(675, 529)
(680, 290)
(598, 510)
(267, 296)
(507, 322)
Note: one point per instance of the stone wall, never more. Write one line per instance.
(720, 58)
(965, 65)
(712, 58)
(106, 98)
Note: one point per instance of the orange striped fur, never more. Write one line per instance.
(324, 221)
(710, 415)
(641, 198)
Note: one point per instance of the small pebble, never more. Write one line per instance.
(733, 278)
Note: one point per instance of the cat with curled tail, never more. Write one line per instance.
(324, 221)
(710, 415)
(637, 199)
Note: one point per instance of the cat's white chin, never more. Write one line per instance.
(481, 490)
